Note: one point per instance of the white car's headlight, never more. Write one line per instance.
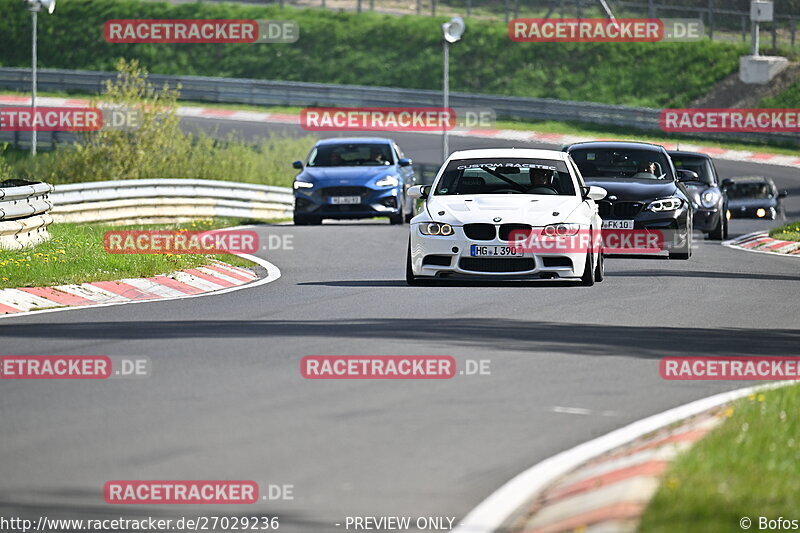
(387, 181)
(303, 185)
(436, 228)
(665, 204)
(709, 198)
(561, 230)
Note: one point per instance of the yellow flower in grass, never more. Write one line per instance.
(729, 412)
(672, 483)
(761, 398)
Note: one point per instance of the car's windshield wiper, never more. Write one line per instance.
(502, 177)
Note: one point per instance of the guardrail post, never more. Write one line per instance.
(372, 5)
(792, 29)
(419, 7)
(710, 19)
(744, 29)
(774, 34)
(358, 6)
(469, 7)
(433, 7)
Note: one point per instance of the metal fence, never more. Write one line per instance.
(24, 214)
(156, 201)
(284, 93)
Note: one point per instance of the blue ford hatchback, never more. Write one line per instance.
(353, 178)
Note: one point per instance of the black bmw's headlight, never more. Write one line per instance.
(672, 203)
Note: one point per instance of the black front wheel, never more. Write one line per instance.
(600, 270)
(587, 280)
(410, 278)
(718, 233)
(685, 251)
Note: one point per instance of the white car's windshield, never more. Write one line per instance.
(506, 176)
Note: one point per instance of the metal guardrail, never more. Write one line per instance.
(284, 93)
(23, 214)
(168, 200)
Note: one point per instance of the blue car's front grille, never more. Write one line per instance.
(344, 191)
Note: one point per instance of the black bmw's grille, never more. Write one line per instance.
(508, 264)
(344, 191)
(515, 230)
(480, 232)
(619, 209)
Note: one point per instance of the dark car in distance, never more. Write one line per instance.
(352, 178)
(705, 191)
(754, 197)
(643, 189)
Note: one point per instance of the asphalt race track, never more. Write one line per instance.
(227, 401)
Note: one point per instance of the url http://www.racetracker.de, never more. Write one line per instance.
(205, 524)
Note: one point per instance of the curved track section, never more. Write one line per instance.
(226, 399)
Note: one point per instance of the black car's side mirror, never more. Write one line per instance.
(727, 182)
(298, 165)
(688, 175)
(783, 194)
(404, 162)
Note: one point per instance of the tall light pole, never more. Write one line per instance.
(452, 32)
(35, 6)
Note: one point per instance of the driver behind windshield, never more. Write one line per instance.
(648, 169)
(376, 156)
(541, 177)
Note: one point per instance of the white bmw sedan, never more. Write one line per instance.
(507, 214)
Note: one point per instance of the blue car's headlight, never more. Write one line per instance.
(387, 181)
(303, 185)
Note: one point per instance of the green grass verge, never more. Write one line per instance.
(75, 254)
(747, 467)
(789, 232)
(788, 98)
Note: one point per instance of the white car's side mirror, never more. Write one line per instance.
(418, 191)
(596, 193)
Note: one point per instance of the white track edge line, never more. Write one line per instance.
(492, 512)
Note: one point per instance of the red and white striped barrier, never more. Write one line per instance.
(762, 242)
(212, 277)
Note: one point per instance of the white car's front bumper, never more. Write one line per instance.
(450, 256)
